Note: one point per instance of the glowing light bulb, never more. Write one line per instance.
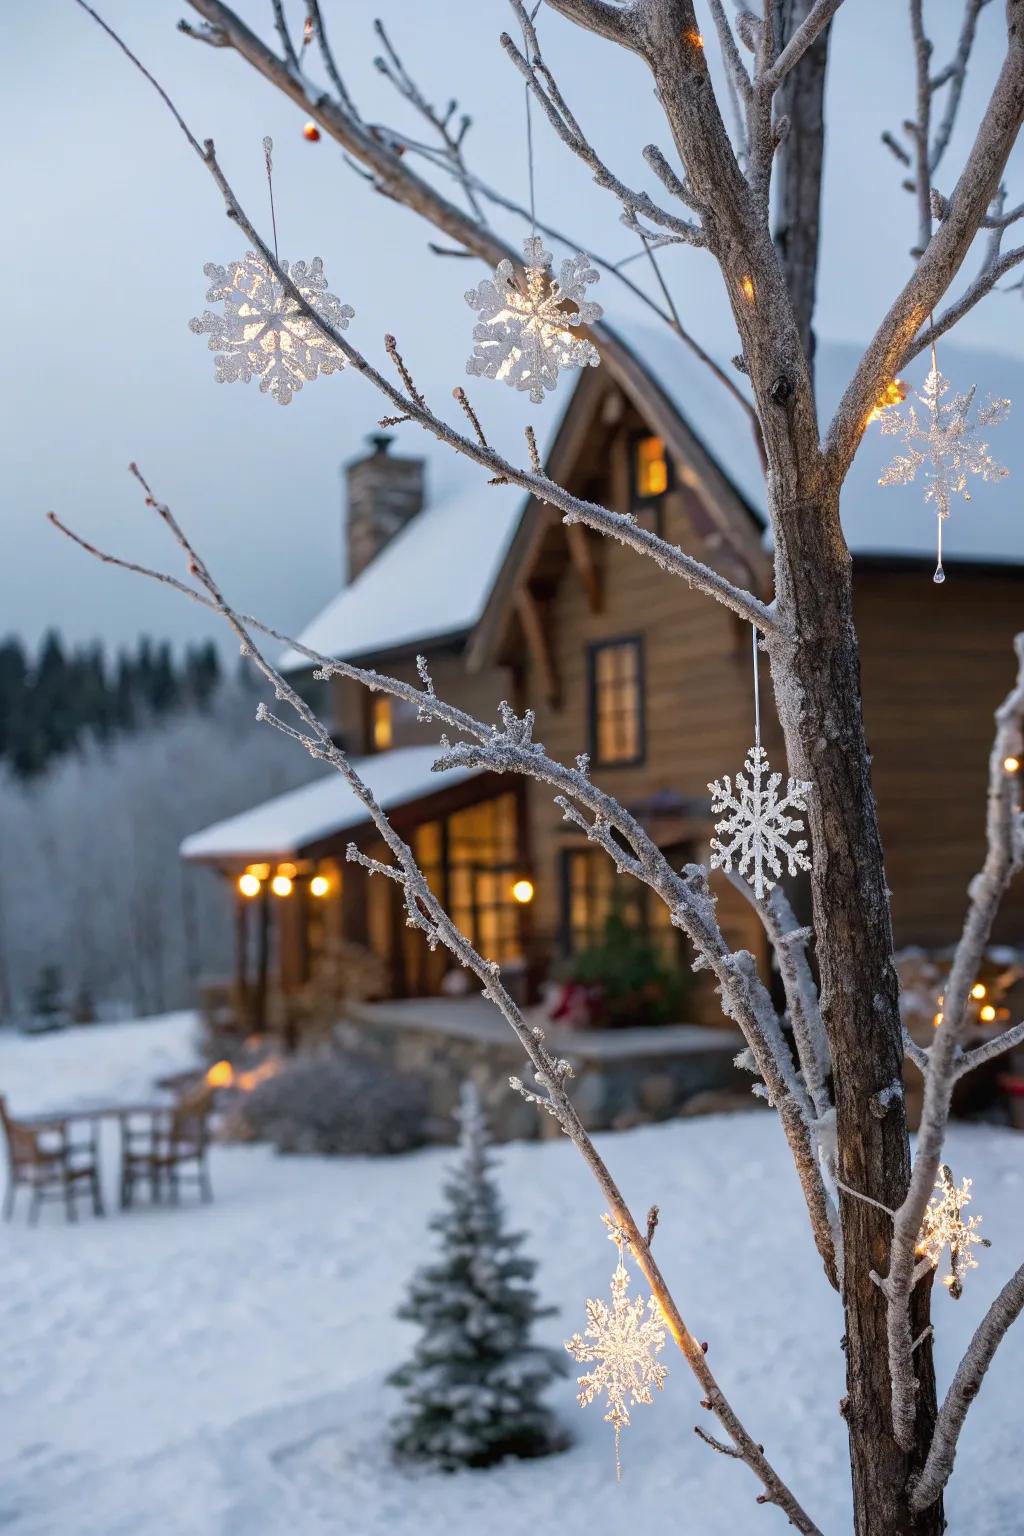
(978, 991)
(319, 885)
(311, 132)
(747, 284)
(522, 891)
(249, 884)
(281, 885)
(893, 394)
(988, 1013)
(1011, 764)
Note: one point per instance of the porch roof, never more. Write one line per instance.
(291, 822)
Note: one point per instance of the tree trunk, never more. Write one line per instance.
(798, 167)
(817, 686)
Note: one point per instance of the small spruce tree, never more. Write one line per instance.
(473, 1387)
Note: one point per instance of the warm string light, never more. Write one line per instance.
(281, 885)
(944, 1227)
(894, 393)
(249, 885)
(747, 285)
(319, 885)
(1011, 764)
(623, 1341)
(523, 892)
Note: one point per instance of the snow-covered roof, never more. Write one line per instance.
(878, 520)
(432, 581)
(293, 821)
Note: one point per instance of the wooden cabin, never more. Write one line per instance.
(628, 664)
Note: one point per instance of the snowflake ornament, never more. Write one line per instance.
(945, 443)
(944, 1227)
(263, 333)
(625, 1337)
(753, 833)
(525, 335)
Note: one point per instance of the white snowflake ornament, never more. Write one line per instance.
(625, 1337)
(525, 334)
(753, 834)
(944, 1226)
(263, 333)
(944, 443)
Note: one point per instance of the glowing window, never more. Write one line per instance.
(650, 468)
(380, 722)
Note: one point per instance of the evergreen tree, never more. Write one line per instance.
(473, 1386)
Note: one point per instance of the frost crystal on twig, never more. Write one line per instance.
(625, 1338)
(945, 1227)
(263, 333)
(949, 445)
(524, 335)
(753, 834)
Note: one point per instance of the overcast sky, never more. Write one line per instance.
(109, 219)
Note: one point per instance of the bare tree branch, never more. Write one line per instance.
(1004, 857)
(989, 1051)
(817, 19)
(965, 1387)
(424, 910)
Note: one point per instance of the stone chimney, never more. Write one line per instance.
(383, 493)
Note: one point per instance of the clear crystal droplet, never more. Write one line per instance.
(940, 575)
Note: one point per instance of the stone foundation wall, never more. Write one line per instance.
(622, 1077)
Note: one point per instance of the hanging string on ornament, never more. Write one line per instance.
(263, 332)
(753, 835)
(525, 332)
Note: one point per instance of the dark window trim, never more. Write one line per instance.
(593, 648)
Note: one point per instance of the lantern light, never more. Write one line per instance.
(522, 891)
(319, 885)
(281, 885)
(978, 991)
(249, 884)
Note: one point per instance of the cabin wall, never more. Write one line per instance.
(936, 662)
(698, 702)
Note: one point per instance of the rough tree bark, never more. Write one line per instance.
(798, 168)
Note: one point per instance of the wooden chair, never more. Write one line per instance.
(45, 1158)
(169, 1147)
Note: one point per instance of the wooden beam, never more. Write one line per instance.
(581, 550)
(530, 617)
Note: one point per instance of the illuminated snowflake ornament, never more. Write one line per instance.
(944, 1227)
(262, 333)
(622, 1341)
(525, 333)
(754, 831)
(945, 444)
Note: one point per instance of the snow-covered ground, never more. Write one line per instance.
(219, 1371)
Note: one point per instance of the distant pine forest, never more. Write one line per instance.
(63, 697)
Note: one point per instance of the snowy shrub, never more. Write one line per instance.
(333, 1104)
(473, 1386)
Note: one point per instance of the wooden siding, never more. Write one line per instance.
(935, 663)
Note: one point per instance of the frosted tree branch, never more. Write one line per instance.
(965, 1387)
(425, 912)
(545, 90)
(989, 1051)
(1003, 859)
(624, 529)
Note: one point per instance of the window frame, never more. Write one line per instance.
(594, 648)
(650, 506)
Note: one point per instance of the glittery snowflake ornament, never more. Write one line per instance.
(944, 1227)
(754, 831)
(945, 444)
(623, 1342)
(263, 333)
(525, 334)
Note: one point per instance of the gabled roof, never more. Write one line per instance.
(434, 582)
(293, 821)
(877, 520)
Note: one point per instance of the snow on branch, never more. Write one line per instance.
(964, 1388)
(619, 526)
(1004, 858)
(425, 912)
